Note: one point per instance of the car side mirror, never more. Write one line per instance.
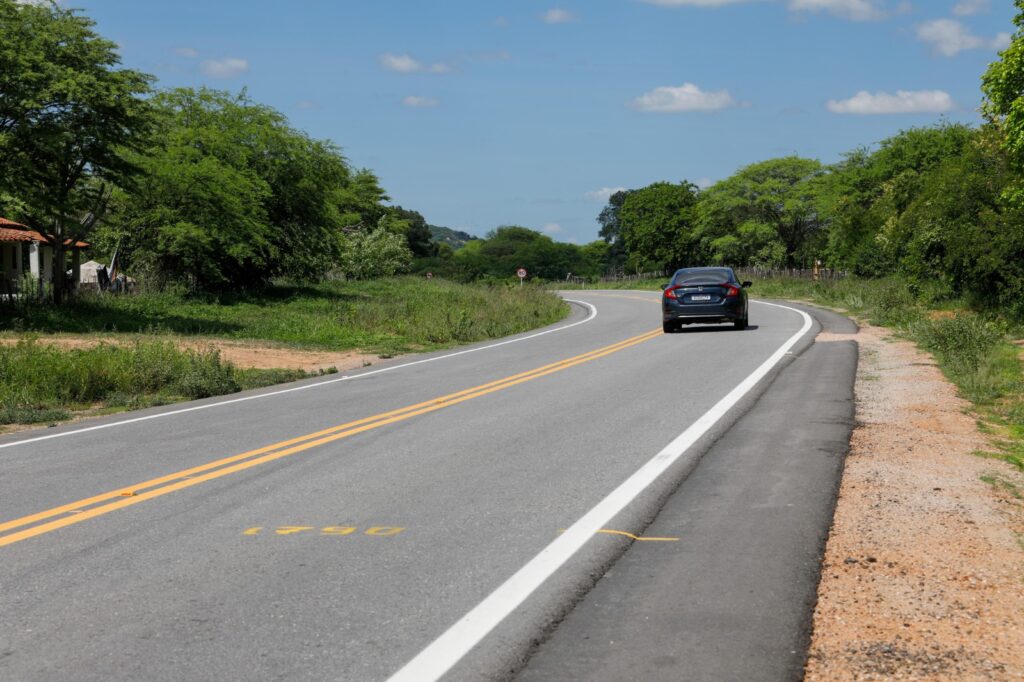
(747, 285)
(664, 286)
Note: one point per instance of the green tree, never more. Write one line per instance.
(510, 247)
(233, 196)
(868, 191)
(380, 253)
(657, 226)
(1003, 85)
(773, 205)
(957, 235)
(417, 233)
(611, 229)
(67, 115)
(199, 213)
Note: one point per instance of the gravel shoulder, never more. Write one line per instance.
(924, 567)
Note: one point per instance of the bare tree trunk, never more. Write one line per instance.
(58, 258)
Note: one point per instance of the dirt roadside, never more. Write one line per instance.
(923, 575)
(242, 354)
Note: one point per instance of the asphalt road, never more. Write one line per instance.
(433, 516)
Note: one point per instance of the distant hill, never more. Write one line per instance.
(454, 238)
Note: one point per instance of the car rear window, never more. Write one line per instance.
(704, 276)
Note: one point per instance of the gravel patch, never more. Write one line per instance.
(923, 575)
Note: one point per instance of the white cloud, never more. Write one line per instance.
(854, 10)
(420, 102)
(865, 103)
(948, 37)
(558, 16)
(694, 3)
(189, 52)
(552, 228)
(686, 97)
(966, 8)
(403, 63)
(604, 194)
(704, 183)
(228, 67)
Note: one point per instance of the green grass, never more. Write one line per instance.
(43, 383)
(383, 316)
(972, 348)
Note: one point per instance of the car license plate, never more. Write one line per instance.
(701, 297)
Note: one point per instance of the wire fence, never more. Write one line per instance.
(635, 277)
(791, 273)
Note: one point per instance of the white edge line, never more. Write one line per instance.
(448, 649)
(590, 317)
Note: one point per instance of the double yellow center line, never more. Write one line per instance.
(81, 510)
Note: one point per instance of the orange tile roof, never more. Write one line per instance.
(11, 231)
(18, 235)
(4, 222)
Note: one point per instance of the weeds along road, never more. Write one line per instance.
(439, 516)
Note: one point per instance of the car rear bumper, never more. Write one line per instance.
(726, 311)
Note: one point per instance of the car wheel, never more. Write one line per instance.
(741, 323)
(669, 327)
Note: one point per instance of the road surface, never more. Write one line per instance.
(441, 516)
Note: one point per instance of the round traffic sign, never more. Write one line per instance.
(521, 273)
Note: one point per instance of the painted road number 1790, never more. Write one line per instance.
(374, 531)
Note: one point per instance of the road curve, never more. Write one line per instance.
(340, 530)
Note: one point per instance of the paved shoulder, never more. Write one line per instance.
(731, 598)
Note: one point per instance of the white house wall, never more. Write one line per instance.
(40, 259)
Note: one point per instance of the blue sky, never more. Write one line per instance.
(479, 113)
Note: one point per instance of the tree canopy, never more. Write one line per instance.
(67, 114)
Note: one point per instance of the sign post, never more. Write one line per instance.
(521, 274)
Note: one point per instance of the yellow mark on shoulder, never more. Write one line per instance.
(636, 537)
(609, 531)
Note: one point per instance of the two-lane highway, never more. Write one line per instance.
(431, 516)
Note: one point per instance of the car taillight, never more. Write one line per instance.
(731, 290)
(671, 293)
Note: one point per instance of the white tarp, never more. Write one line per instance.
(87, 272)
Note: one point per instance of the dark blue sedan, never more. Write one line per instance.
(704, 295)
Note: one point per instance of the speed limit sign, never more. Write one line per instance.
(521, 274)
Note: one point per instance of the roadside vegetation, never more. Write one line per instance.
(385, 316)
(40, 382)
(237, 225)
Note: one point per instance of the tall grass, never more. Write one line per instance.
(385, 316)
(40, 382)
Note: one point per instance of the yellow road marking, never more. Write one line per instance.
(141, 492)
(637, 537)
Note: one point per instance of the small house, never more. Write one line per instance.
(24, 250)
